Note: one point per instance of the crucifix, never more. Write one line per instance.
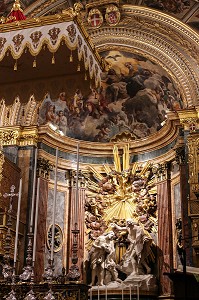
(11, 195)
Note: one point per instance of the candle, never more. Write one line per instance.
(36, 221)
(98, 293)
(33, 190)
(17, 224)
(54, 208)
(79, 294)
(77, 187)
(138, 296)
(130, 293)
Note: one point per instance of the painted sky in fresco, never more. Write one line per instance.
(133, 98)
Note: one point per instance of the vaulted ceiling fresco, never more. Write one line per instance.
(134, 97)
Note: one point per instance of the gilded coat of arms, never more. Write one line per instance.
(112, 15)
(95, 18)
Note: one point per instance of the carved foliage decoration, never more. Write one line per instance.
(9, 137)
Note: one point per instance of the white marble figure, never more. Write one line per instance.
(134, 259)
(102, 257)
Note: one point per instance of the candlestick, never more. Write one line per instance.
(138, 294)
(33, 191)
(36, 221)
(98, 293)
(79, 294)
(54, 208)
(77, 187)
(91, 293)
(17, 225)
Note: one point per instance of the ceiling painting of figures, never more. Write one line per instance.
(134, 96)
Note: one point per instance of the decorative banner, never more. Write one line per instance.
(112, 15)
(95, 18)
(51, 35)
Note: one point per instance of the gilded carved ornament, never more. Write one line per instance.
(9, 136)
(192, 159)
(189, 119)
(123, 192)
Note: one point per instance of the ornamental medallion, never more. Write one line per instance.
(95, 18)
(112, 15)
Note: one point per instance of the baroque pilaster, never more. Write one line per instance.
(165, 245)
